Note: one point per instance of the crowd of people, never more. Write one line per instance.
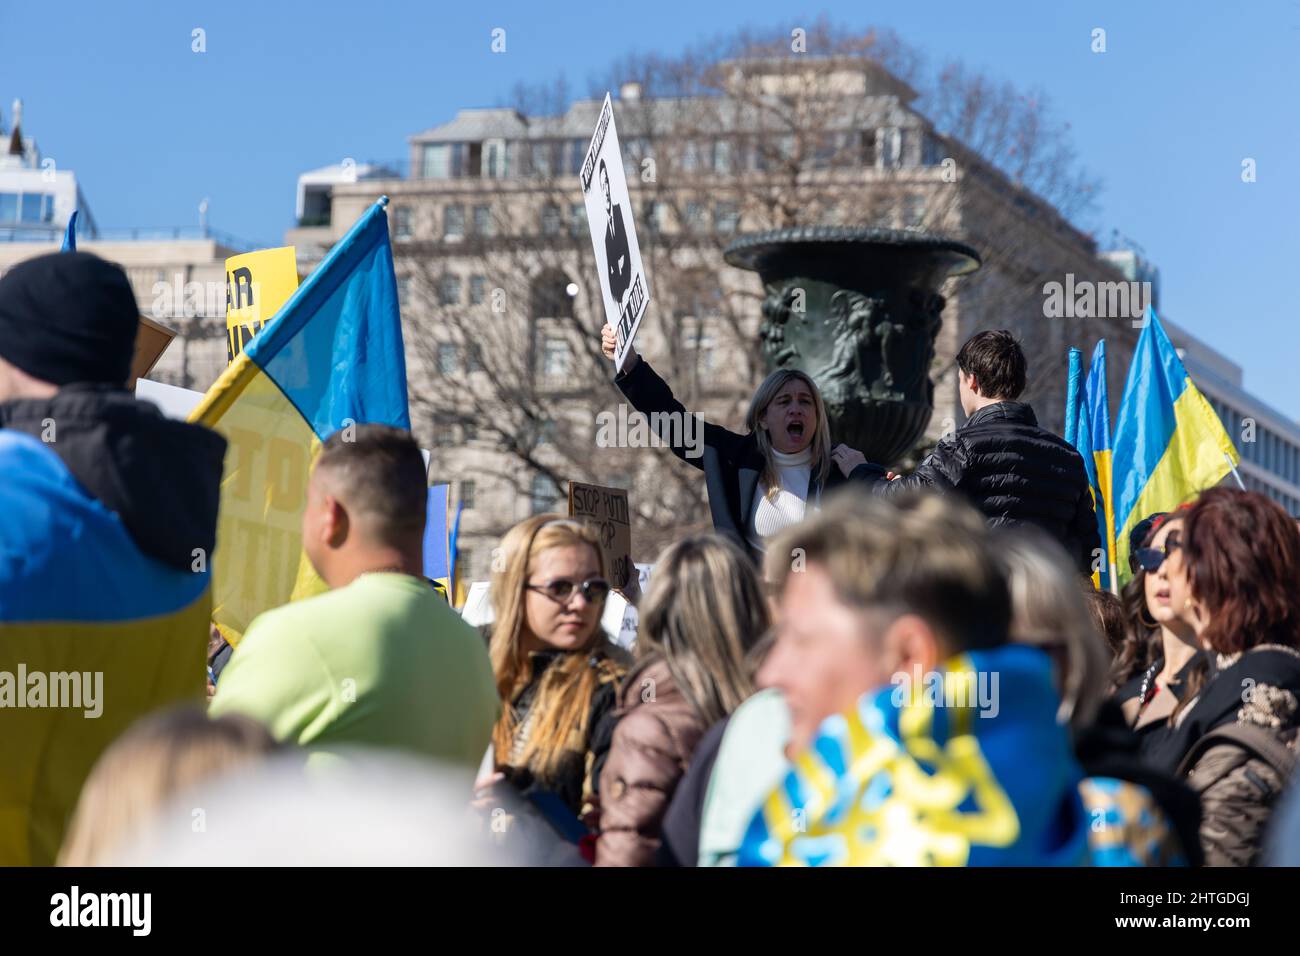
(854, 667)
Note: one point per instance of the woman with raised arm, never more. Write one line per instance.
(762, 481)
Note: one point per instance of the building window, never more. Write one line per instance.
(889, 146)
(404, 291)
(483, 224)
(444, 434)
(31, 210)
(697, 217)
(9, 207)
(448, 358)
(453, 222)
(545, 494)
(464, 567)
(577, 219)
(477, 289)
(551, 219)
(495, 165)
(577, 153)
(541, 158)
(469, 431)
(467, 495)
(654, 215)
(474, 358)
(449, 290)
(723, 158)
(555, 356)
(726, 217)
(913, 210)
(444, 160)
(705, 347)
(401, 222)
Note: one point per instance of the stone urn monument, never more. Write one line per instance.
(858, 309)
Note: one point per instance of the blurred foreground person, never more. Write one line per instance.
(159, 757)
(379, 660)
(108, 518)
(556, 670)
(1002, 461)
(1137, 816)
(371, 808)
(704, 611)
(1233, 578)
(919, 735)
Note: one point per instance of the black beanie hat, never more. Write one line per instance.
(68, 317)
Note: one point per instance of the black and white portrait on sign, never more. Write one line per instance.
(623, 285)
(618, 260)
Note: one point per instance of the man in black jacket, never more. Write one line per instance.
(1002, 461)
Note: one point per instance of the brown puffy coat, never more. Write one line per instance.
(1240, 770)
(653, 741)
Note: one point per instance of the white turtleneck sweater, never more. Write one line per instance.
(787, 506)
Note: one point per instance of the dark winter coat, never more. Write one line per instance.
(1015, 472)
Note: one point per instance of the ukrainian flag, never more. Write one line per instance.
(94, 634)
(1092, 439)
(1169, 443)
(331, 357)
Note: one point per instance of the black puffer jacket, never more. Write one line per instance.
(1015, 473)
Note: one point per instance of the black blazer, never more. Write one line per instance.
(732, 463)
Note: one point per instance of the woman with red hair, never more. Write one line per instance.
(1234, 578)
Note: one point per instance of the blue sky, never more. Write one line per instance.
(1185, 91)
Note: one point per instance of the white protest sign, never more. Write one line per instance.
(478, 604)
(613, 233)
(172, 401)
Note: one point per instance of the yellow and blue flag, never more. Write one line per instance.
(439, 560)
(70, 234)
(1169, 443)
(330, 358)
(1092, 439)
(94, 633)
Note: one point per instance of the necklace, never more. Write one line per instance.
(1146, 684)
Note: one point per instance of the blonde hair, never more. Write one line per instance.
(704, 612)
(157, 758)
(1048, 608)
(821, 443)
(562, 706)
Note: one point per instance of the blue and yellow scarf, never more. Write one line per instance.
(964, 767)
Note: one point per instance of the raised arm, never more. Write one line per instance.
(650, 395)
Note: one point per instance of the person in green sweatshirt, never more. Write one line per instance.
(380, 659)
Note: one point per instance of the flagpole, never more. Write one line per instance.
(1235, 473)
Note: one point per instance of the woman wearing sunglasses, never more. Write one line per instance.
(556, 670)
(1162, 665)
(1234, 580)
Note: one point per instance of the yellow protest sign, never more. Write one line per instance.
(257, 284)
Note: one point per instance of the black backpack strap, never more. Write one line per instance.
(1255, 739)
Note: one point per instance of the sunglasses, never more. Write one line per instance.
(1150, 559)
(594, 590)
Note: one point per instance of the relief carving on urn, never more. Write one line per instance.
(859, 310)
